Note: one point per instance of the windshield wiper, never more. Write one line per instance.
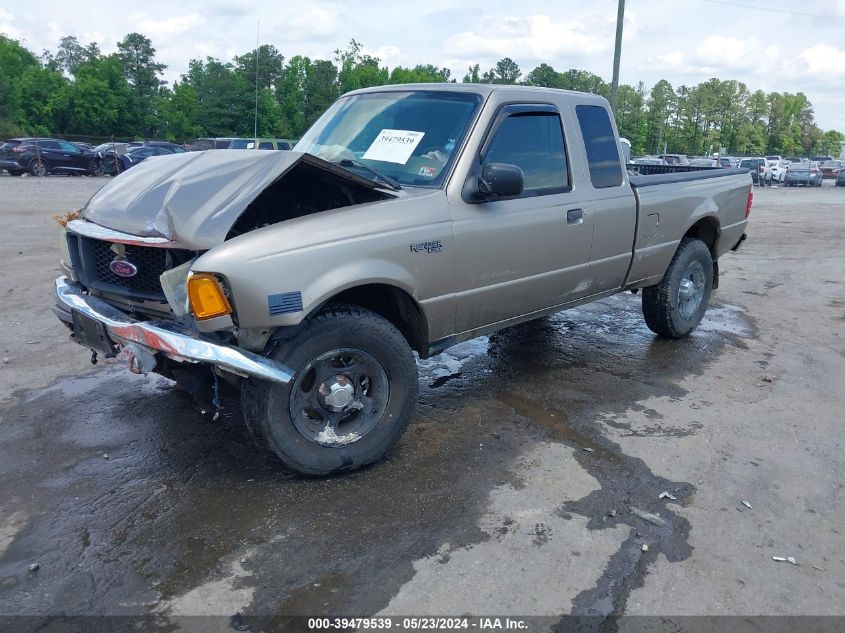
(390, 182)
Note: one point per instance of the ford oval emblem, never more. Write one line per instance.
(123, 268)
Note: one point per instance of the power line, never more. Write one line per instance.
(737, 5)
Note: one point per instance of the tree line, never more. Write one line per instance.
(78, 90)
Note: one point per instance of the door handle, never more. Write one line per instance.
(574, 216)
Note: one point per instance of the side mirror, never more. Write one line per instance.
(500, 179)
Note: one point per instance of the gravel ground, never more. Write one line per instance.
(132, 501)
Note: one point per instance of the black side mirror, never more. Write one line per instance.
(500, 179)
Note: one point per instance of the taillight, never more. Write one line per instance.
(762, 170)
(814, 171)
(19, 149)
(749, 203)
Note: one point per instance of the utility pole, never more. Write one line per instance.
(617, 54)
(255, 114)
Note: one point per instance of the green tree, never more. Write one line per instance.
(321, 89)
(14, 61)
(358, 70)
(292, 93)
(473, 75)
(544, 75)
(506, 71)
(143, 72)
(419, 74)
(271, 65)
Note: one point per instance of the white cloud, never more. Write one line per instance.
(6, 25)
(319, 23)
(166, 28)
(535, 37)
(821, 62)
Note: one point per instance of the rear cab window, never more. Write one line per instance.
(602, 148)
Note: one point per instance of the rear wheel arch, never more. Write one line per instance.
(708, 230)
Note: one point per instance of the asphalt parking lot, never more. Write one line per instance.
(519, 488)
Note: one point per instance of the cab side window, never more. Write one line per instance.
(601, 145)
(533, 141)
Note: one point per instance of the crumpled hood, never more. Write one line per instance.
(194, 198)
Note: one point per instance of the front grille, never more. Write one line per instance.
(92, 258)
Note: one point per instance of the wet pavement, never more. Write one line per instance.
(520, 486)
(140, 498)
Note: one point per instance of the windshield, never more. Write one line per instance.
(408, 136)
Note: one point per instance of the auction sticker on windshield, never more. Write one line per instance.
(394, 146)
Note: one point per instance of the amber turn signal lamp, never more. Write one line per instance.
(207, 297)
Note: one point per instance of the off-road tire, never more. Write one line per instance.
(267, 406)
(660, 302)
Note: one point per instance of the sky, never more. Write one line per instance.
(773, 45)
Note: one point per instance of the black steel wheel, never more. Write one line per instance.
(352, 395)
(339, 397)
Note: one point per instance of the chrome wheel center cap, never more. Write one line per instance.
(337, 393)
(687, 289)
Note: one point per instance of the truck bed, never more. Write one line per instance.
(667, 204)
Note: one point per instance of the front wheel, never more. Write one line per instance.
(351, 397)
(95, 168)
(674, 307)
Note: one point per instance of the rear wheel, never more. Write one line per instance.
(351, 397)
(674, 307)
(37, 167)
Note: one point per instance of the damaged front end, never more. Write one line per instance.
(128, 259)
(103, 328)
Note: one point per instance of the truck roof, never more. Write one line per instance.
(484, 90)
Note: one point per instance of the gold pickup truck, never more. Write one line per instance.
(407, 219)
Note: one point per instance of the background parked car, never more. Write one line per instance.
(113, 148)
(648, 160)
(262, 143)
(134, 156)
(831, 168)
(9, 156)
(805, 174)
(675, 159)
(840, 178)
(173, 147)
(761, 173)
(777, 167)
(212, 143)
(725, 162)
(703, 162)
(49, 156)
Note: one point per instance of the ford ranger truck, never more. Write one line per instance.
(408, 218)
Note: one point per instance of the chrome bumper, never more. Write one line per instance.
(163, 337)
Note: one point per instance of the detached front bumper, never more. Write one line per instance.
(160, 337)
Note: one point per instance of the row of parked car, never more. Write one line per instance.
(42, 156)
(765, 170)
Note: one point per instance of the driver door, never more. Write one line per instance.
(530, 252)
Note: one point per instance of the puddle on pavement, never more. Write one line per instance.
(179, 493)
